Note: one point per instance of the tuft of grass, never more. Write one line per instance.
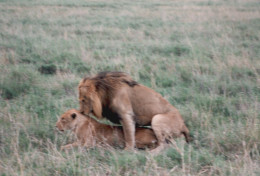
(48, 69)
(178, 50)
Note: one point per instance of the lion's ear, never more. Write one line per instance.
(74, 115)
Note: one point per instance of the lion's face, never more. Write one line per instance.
(85, 105)
(88, 98)
(67, 121)
(85, 99)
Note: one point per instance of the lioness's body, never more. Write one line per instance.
(91, 133)
(116, 96)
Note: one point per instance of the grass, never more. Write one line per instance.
(202, 56)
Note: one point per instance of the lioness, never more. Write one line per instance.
(116, 96)
(91, 133)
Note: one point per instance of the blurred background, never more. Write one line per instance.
(203, 56)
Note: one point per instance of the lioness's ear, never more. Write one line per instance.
(74, 115)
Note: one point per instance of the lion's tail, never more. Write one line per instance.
(186, 133)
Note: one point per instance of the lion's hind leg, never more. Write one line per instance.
(166, 127)
(160, 129)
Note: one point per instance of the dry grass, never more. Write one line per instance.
(203, 56)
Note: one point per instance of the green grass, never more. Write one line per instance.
(203, 56)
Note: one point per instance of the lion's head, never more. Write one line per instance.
(89, 99)
(67, 121)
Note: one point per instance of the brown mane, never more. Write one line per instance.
(104, 80)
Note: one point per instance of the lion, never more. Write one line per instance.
(117, 97)
(91, 133)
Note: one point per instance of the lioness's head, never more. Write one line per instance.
(67, 121)
(89, 99)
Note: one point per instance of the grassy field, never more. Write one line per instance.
(202, 55)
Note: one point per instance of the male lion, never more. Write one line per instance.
(91, 133)
(116, 96)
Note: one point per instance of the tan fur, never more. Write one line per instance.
(116, 96)
(91, 133)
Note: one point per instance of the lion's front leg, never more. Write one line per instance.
(122, 105)
(129, 131)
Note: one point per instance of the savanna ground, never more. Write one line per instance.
(201, 55)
